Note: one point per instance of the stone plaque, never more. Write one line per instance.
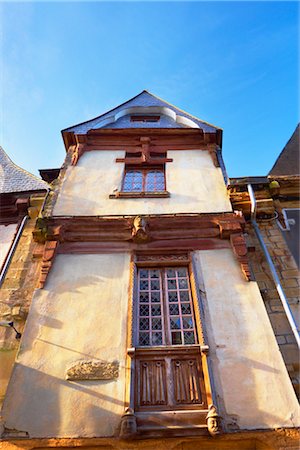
(93, 370)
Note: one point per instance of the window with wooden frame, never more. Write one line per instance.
(165, 310)
(144, 179)
(169, 370)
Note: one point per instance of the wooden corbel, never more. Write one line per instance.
(48, 256)
(213, 153)
(229, 227)
(55, 233)
(77, 153)
(145, 142)
(238, 243)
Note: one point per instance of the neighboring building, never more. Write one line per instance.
(21, 196)
(147, 329)
(278, 203)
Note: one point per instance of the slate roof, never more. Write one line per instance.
(15, 179)
(287, 162)
(143, 100)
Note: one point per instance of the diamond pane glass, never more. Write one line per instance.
(175, 323)
(154, 273)
(155, 180)
(189, 337)
(144, 324)
(155, 297)
(173, 297)
(185, 308)
(183, 283)
(171, 284)
(184, 296)
(182, 272)
(155, 285)
(144, 285)
(144, 339)
(133, 181)
(171, 273)
(143, 273)
(174, 310)
(155, 310)
(144, 297)
(187, 322)
(144, 310)
(157, 338)
(156, 324)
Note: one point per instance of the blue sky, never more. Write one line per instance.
(233, 64)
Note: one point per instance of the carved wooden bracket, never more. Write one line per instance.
(48, 255)
(77, 153)
(239, 247)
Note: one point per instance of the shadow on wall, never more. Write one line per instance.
(34, 405)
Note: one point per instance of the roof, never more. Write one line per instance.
(14, 179)
(143, 103)
(287, 162)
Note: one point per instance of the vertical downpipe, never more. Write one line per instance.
(275, 277)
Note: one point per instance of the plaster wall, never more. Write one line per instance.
(194, 183)
(79, 315)
(7, 233)
(252, 383)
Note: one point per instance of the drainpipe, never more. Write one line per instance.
(275, 277)
(12, 249)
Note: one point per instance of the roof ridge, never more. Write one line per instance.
(131, 99)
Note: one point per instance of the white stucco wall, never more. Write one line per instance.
(79, 315)
(7, 233)
(195, 185)
(253, 386)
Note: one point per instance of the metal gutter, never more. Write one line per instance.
(275, 277)
(12, 249)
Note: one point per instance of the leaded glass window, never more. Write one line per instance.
(165, 309)
(144, 180)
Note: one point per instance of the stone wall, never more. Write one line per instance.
(16, 293)
(289, 276)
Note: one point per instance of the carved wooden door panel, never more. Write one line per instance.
(168, 379)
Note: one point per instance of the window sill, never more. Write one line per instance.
(157, 194)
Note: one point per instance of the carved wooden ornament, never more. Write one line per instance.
(213, 421)
(128, 424)
(139, 231)
(239, 247)
(48, 255)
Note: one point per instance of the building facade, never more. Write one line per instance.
(147, 328)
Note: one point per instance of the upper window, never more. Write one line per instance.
(144, 180)
(165, 312)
